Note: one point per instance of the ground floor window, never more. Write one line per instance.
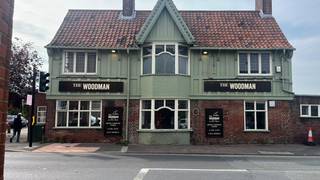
(311, 111)
(78, 114)
(164, 114)
(256, 116)
(41, 114)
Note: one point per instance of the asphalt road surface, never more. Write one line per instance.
(49, 166)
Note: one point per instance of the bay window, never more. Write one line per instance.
(78, 114)
(254, 64)
(256, 116)
(165, 59)
(77, 62)
(164, 114)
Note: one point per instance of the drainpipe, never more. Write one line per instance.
(128, 96)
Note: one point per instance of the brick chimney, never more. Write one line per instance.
(128, 8)
(265, 6)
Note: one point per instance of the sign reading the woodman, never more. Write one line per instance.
(214, 122)
(76, 86)
(113, 121)
(237, 86)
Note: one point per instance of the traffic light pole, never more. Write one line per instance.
(32, 118)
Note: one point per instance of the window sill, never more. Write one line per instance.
(255, 76)
(256, 131)
(76, 128)
(164, 130)
(309, 117)
(183, 75)
(79, 75)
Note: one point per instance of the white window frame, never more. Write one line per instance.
(176, 111)
(255, 116)
(309, 111)
(260, 64)
(40, 117)
(74, 62)
(79, 112)
(177, 55)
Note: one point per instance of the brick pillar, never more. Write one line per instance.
(6, 13)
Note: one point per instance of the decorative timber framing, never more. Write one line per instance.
(153, 17)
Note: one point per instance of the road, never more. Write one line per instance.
(39, 166)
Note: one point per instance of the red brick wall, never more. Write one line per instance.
(279, 124)
(6, 13)
(301, 125)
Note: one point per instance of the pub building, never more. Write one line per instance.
(170, 77)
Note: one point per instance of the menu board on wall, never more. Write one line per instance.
(214, 123)
(113, 121)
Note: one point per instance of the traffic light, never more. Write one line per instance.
(43, 84)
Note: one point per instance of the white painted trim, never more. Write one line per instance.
(260, 65)
(255, 116)
(79, 112)
(176, 117)
(309, 111)
(176, 111)
(74, 62)
(152, 127)
(140, 115)
(165, 44)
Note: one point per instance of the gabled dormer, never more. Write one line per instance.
(165, 23)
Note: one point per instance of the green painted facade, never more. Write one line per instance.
(217, 65)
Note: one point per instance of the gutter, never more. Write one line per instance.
(91, 48)
(240, 49)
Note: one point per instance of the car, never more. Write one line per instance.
(10, 119)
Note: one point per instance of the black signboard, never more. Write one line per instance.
(89, 86)
(214, 123)
(113, 121)
(237, 86)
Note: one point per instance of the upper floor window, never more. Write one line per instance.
(80, 62)
(311, 111)
(165, 59)
(254, 63)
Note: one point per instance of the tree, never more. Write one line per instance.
(23, 59)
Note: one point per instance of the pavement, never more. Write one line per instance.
(239, 149)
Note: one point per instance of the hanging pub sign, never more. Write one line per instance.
(79, 86)
(237, 86)
(113, 121)
(214, 123)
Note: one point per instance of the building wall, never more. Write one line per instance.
(302, 125)
(81, 134)
(279, 121)
(6, 13)
(218, 65)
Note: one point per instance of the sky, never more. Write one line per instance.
(37, 21)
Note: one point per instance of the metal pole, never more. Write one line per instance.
(32, 119)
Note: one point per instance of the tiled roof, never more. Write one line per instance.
(217, 29)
